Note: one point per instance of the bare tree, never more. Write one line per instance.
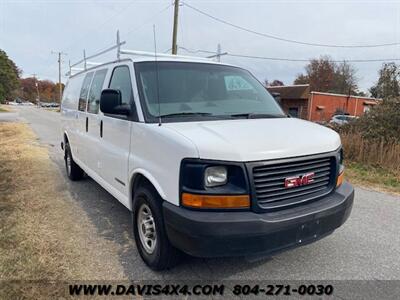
(324, 75)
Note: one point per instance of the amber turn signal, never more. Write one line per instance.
(340, 179)
(215, 201)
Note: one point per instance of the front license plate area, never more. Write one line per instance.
(308, 231)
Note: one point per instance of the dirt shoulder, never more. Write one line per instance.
(44, 234)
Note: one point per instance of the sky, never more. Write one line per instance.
(30, 30)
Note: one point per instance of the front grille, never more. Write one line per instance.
(269, 181)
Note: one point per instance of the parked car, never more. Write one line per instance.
(49, 104)
(342, 119)
(204, 157)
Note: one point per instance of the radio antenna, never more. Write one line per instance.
(157, 79)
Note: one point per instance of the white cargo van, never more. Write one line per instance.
(204, 157)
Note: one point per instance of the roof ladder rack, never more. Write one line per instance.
(152, 54)
(86, 63)
(74, 67)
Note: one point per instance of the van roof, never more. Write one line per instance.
(145, 58)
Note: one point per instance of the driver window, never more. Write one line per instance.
(121, 80)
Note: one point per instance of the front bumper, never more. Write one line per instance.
(220, 234)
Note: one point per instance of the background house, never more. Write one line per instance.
(324, 105)
(293, 98)
(298, 101)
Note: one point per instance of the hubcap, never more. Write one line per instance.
(68, 162)
(146, 228)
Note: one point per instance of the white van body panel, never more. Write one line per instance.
(156, 153)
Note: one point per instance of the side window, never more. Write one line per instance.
(95, 91)
(121, 80)
(84, 91)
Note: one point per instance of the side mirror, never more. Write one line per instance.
(111, 103)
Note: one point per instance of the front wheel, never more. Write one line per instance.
(150, 235)
(74, 172)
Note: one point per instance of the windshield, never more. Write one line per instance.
(198, 91)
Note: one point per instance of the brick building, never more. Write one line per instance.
(300, 102)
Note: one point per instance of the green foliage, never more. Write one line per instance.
(388, 83)
(9, 75)
(382, 122)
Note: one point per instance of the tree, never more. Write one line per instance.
(345, 80)
(382, 122)
(9, 75)
(324, 75)
(388, 83)
(301, 79)
(48, 90)
(320, 74)
(28, 89)
(276, 82)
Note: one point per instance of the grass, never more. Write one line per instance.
(44, 233)
(374, 153)
(372, 163)
(378, 178)
(3, 109)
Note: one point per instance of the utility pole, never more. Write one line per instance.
(59, 53)
(37, 89)
(219, 52)
(175, 29)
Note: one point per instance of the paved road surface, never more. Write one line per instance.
(366, 247)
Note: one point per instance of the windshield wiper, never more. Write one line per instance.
(178, 114)
(257, 115)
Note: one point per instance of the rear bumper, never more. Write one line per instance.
(219, 234)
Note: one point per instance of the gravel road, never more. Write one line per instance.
(367, 247)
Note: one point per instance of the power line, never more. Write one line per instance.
(270, 36)
(145, 22)
(287, 59)
(307, 60)
(95, 29)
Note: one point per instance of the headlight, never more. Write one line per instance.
(215, 176)
(209, 184)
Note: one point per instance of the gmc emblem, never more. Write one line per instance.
(299, 180)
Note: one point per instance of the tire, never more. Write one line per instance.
(74, 172)
(161, 255)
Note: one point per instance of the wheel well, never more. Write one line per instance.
(141, 180)
(65, 138)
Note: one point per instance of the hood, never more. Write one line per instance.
(257, 139)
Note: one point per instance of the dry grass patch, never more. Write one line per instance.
(4, 109)
(44, 234)
(372, 163)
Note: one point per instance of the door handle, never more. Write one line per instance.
(87, 124)
(101, 128)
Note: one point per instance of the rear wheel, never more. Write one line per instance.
(74, 172)
(150, 235)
